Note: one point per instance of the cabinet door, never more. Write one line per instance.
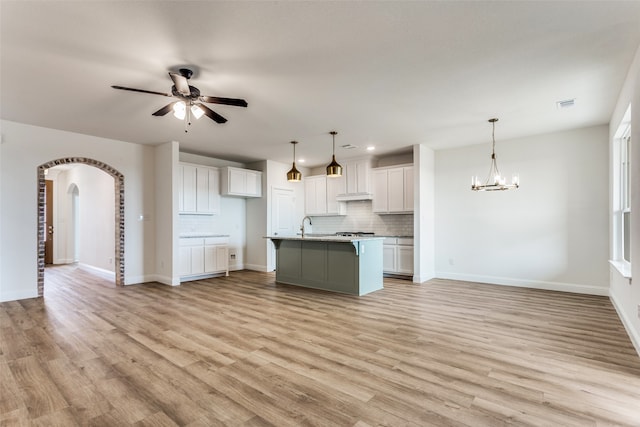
(222, 258)
(380, 193)
(180, 188)
(253, 184)
(210, 260)
(389, 258)
(214, 191)
(335, 186)
(202, 190)
(237, 181)
(405, 259)
(310, 196)
(315, 195)
(408, 189)
(197, 259)
(189, 188)
(185, 260)
(395, 182)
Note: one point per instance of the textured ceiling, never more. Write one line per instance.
(391, 74)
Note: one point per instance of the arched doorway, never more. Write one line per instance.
(118, 179)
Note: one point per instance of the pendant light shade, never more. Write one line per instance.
(294, 174)
(495, 181)
(334, 169)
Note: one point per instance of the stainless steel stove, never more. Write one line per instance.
(354, 233)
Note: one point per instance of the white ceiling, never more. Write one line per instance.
(391, 74)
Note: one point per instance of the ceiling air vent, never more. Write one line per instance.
(567, 103)
(349, 146)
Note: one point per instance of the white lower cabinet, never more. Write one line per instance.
(397, 256)
(203, 256)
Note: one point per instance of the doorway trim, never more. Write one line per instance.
(118, 179)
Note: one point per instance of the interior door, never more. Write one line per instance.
(282, 217)
(48, 222)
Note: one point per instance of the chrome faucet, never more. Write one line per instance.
(302, 226)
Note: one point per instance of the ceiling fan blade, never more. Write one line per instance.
(164, 110)
(226, 101)
(141, 90)
(212, 114)
(181, 82)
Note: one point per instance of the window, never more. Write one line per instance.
(622, 197)
(625, 192)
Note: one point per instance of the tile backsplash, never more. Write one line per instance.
(196, 223)
(361, 218)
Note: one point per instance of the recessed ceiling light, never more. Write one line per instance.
(566, 103)
(301, 160)
(371, 148)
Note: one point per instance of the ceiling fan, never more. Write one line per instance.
(189, 99)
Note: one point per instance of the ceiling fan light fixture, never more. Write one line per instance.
(179, 110)
(197, 111)
(334, 169)
(294, 175)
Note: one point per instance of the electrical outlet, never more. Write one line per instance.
(638, 311)
(232, 256)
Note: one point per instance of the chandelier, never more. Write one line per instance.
(495, 181)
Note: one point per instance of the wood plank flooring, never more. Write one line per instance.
(244, 351)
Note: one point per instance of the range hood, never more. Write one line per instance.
(348, 197)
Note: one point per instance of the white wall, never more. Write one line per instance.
(166, 218)
(624, 293)
(96, 217)
(424, 203)
(551, 233)
(24, 148)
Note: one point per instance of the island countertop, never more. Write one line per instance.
(327, 238)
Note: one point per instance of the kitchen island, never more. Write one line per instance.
(351, 265)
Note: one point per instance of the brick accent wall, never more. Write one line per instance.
(119, 214)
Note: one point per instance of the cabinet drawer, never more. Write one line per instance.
(390, 241)
(191, 242)
(405, 241)
(216, 240)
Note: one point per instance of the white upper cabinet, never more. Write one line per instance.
(356, 174)
(240, 182)
(392, 189)
(320, 196)
(199, 190)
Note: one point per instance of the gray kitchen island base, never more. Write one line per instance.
(339, 265)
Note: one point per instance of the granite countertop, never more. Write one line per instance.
(327, 238)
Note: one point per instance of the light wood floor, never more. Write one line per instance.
(244, 351)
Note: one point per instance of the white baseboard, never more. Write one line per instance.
(422, 279)
(63, 261)
(535, 284)
(106, 274)
(634, 335)
(165, 280)
(256, 267)
(18, 295)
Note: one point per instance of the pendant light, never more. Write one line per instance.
(294, 174)
(495, 181)
(334, 169)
